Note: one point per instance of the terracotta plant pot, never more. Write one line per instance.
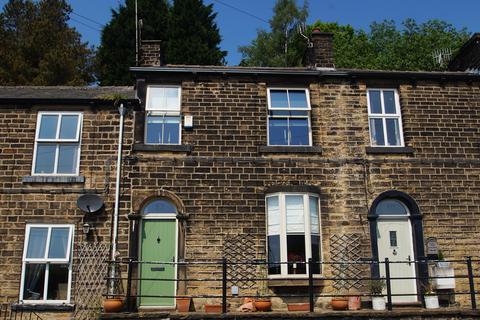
(263, 305)
(112, 305)
(354, 303)
(213, 308)
(184, 304)
(298, 307)
(339, 303)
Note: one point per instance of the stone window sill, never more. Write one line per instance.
(164, 147)
(390, 150)
(290, 149)
(296, 282)
(50, 307)
(53, 179)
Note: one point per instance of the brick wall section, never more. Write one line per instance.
(320, 55)
(222, 181)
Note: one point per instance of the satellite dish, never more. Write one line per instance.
(90, 203)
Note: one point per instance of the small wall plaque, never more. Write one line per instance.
(432, 246)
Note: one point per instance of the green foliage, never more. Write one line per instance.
(187, 29)
(116, 53)
(193, 36)
(38, 46)
(282, 46)
(376, 286)
(384, 47)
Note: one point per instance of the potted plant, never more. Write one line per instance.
(430, 297)
(376, 290)
(443, 269)
(112, 304)
(263, 302)
(184, 304)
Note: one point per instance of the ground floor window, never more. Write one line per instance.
(46, 268)
(294, 235)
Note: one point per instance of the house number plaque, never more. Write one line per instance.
(432, 246)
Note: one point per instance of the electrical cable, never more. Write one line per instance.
(242, 11)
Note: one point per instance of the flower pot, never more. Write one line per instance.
(431, 302)
(298, 307)
(339, 303)
(111, 305)
(354, 303)
(183, 304)
(213, 308)
(263, 305)
(378, 303)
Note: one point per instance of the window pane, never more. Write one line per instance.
(34, 281)
(156, 98)
(154, 129)
(68, 127)
(273, 210)
(172, 101)
(171, 130)
(299, 132)
(314, 219)
(376, 132)
(57, 282)
(45, 159)
(298, 99)
(274, 254)
(37, 242)
(391, 207)
(48, 127)
(389, 101)
(393, 132)
(67, 158)
(296, 254)
(316, 253)
(58, 243)
(278, 99)
(160, 206)
(375, 101)
(278, 132)
(295, 219)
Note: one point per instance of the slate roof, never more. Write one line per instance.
(64, 92)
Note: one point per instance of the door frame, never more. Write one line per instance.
(157, 217)
(415, 218)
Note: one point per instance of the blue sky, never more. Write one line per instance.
(239, 28)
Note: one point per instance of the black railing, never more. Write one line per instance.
(369, 265)
(7, 313)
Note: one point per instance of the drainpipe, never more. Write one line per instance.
(121, 110)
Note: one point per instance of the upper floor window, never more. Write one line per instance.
(163, 117)
(46, 268)
(294, 235)
(57, 143)
(384, 117)
(289, 117)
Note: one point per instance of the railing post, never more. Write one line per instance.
(389, 285)
(224, 285)
(310, 285)
(472, 283)
(129, 285)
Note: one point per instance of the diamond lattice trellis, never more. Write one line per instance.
(346, 248)
(91, 269)
(236, 249)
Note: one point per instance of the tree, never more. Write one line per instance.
(117, 49)
(193, 35)
(282, 46)
(38, 46)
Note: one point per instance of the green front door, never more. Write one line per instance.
(158, 242)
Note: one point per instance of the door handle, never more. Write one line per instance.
(409, 260)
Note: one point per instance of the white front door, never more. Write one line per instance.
(394, 239)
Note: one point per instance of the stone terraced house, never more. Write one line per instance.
(252, 164)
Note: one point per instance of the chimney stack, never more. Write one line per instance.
(150, 53)
(320, 55)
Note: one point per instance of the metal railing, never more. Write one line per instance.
(7, 313)
(370, 265)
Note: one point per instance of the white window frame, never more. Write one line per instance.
(163, 113)
(47, 262)
(308, 116)
(384, 116)
(283, 233)
(58, 142)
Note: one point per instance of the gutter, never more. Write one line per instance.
(63, 101)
